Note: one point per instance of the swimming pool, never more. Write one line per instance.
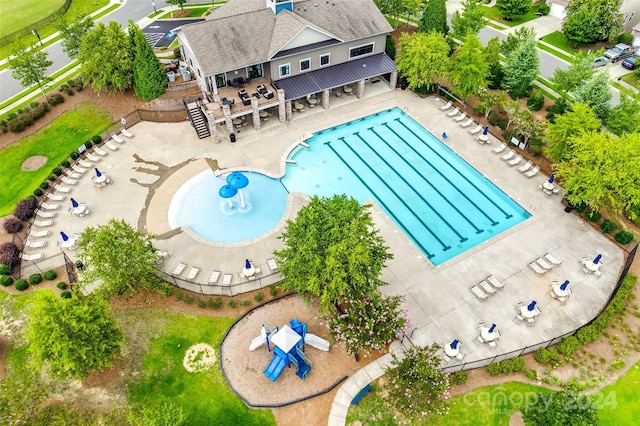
(441, 203)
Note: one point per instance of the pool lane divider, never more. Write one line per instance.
(507, 215)
(448, 201)
(424, 200)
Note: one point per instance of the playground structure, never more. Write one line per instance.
(288, 347)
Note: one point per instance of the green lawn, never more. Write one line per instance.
(194, 12)
(204, 396)
(494, 14)
(19, 14)
(55, 142)
(558, 40)
(618, 402)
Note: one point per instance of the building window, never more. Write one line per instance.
(221, 80)
(254, 71)
(305, 64)
(324, 59)
(360, 50)
(285, 70)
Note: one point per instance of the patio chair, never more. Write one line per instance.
(35, 244)
(60, 188)
(72, 175)
(498, 149)
(41, 223)
(531, 322)
(493, 344)
(213, 278)
(478, 341)
(226, 279)
(85, 163)
(100, 152)
(78, 169)
(476, 129)
(272, 264)
(460, 356)
(515, 161)
(38, 234)
(509, 155)
(68, 181)
(44, 214)
(193, 272)
(48, 206)
(93, 158)
(262, 89)
(446, 106)
(111, 146)
(179, 268)
(531, 173)
(460, 117)
(455, 111)
(540, 261)
(268, 94)
(525, 167)
(31, 257)
(538, 269)
(467, 123)
(518, 319)
(494, 281)
(55, 197)
(127, 133)
(117, 138)
(487, 288)
(477, 291)
(445, 358)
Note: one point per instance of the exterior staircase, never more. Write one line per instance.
(197, 119)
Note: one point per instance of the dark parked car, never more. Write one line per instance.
(630, 62)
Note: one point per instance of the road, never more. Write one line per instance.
(131, 9)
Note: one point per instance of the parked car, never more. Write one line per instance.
(630, 62)
(619, 52)
(600, 61)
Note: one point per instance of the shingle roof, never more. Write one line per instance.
(246, 32)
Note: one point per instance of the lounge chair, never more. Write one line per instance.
(93, 158)
(460, 117)
(55, 197)
(78, 169)
(100, 152)
(515, 161)
(48, 206)
(499, 149)
(213, 278)
(193, 272)
(72, 175)
(126, 133)
(467, 123)
(454, 112)
(552, 259)
(111, 146)
(31, 257)
(446, 106)
(42, 223)
(38, 234)
(537, 268)
(179, 268)
(85, 163)
(477, 291)
(494, 281)
(272, 264)
(117, 138)
(486, 287)
(226, 279)
(41, 213)
(540, 261)
(68, 181)
(476, 129)
(35, 244)
(509, 155)
(525, 167)
(531, 173)
(60, 188)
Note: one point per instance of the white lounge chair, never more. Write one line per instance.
(552, 259)
(85, 163)
(486, 287)
(42, 223)
(515, 161)
(117, 138)
(467, 123)
(179, 268)
(78, 169)
(41, 213)
(477, 291)
(60, 188)
(509, 155)
(454, 112)
(226, 279)
(494, 281)
(215, 274)
(38, 234)
(546, 265)
(126, 133)
(531, 173)
(111, 146)
(476, 129)
(499, 149)
(525, 167)
(48, 206)
(537, 268)
(55, 197)
(35, 244)
(461, 117)
(93, 158)
(193, 272)
(68, 181)
(99, 151)
(30, 257)
(447, 106)
(272, 264)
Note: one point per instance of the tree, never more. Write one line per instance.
(73, 336)
(527, 126)
(423, 58)
(603, 171)
(574, 76)
(434, 17)
(511, 8)
(470, 21)
(392, 8)
(588, 21)
(597, 93)
(149, 78)
(105, 58)
(469, 69)
(332, 251)
(177, 3)
(624, 117)
(560, 408)
(120, 256)
(492, 55)
(417, 387)
(511, 107)
(72, 33)
(411, 8)
(516, 38)
(488, 100)
(521, 69)
(573, 123)
(29, 65)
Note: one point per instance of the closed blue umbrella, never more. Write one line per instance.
(74, 203)
(532, 306)
(553, 175)
(493, 327)
(454, 344)
(247, 264)
(64, 236)
(486, 130)
(597, 259)
(564, 285)
(98, 174)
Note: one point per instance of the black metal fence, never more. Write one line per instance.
(238, 285)
(28, 30)
(139, 115)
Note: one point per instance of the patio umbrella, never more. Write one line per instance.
(444, 135)
(564, 285)
(532, 306)
(64, 236)
(597, 259)
(486, 130)
(74, 203)
(228, 191)
(238, 181)
(98, 174)
(493, 327)
(454, 344)
(553, 175)
(247, 264)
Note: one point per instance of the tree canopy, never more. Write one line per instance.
(72, 33)
(470, 21)
(515, 39)
(574, 76)
(597, 94)
(624, 117)
(423, 58)
(332, 251)
(469, 69)
(566, 126)
(521, 69)
(560, 408)
(588, 21)
(74, 336)
(149, 78)
(29, 65)
(511, 8)
(434, 17)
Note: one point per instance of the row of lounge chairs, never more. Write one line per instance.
(486, 287)
(513, 159)
(215, 274)
(544, 263)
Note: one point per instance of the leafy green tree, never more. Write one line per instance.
(390, 47)
(603, 171)
(417, 387)
(511, 107)
(469, 68)
(119, 255)
(527, 126)
(434, 17)
(332, 251)
(574, 76)
(516, 39)
(521, 69)
(492, 55)
(105, 58)
(597, 93)
(177, 3)
(29, 65)
(488, 100)
(567, 126)
(469, 21)
(149, 78)
(72, 33)
(511, 8)
(624, 117)
(162, 414)
(588, 21)
(423, 58)
(411, 8)
(560, 408)
(73, 336)
(393, 8)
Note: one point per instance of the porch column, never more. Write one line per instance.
(288, 110)
(226, 111)
(256, 113)
(284, 111)
(213, 129)
(393, 80)
(325, 99)
(360, 89)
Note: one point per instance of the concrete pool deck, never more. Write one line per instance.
(441, 307)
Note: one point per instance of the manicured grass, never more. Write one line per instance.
(494, 14)
(55, 142)
(630, 79)
(557, 39)
(19, 14)
(194, 12)
(619, 401)
(204, 396)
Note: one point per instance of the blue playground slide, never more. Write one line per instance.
(302, 363)
(275, 367)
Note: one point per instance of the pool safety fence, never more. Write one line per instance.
(239, 284)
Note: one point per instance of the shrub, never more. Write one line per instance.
(11, 116)
(258, 297)
(51, 178)
(37, 192)
(96, 139)
(535, 101)
(57, 171)
(245, 303)
(55, 99)
(69, 92)
(64, 87)
(544, 9)
(608, 226)
(215, 303)
(518, 364)
(188, 299)
(617, 365)
(531, 374)
(74, 155)
(6, 280)
(35, 279)
(65, 163)
(12, 225)
(558, 108)
(65, 294)
(458, 378)
(623, 237)
(18, 125)
(50, 275)
(494, 369)
(9, 254)
(568, 345)
(593, 216)
(88, 144)
(493, 118)
(4, 269)
(201, 303)
(34, 104)
(625, 38)
(588, 334)
(272, 290)
(62, 285)
(580, 207)
(44, 185)
(232, 303)
(21, 284)
(544, 356)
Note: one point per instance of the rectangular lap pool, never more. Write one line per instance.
(442, 204)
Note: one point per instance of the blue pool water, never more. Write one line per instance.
(442, 204)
